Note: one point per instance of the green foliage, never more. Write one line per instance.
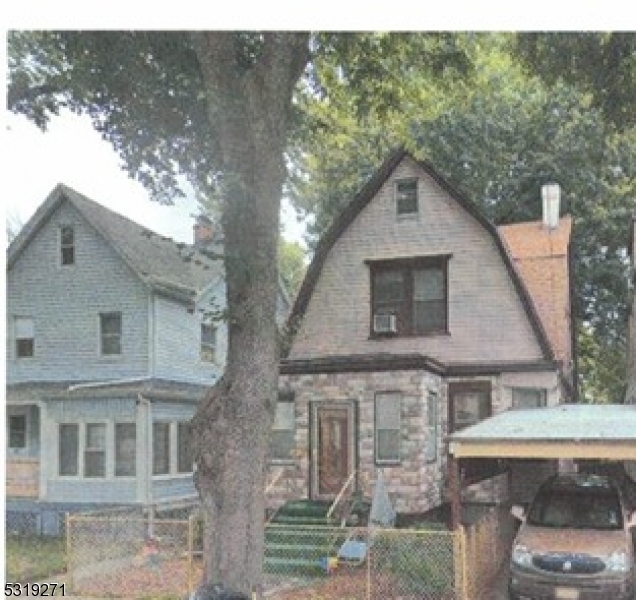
(501, 137)
(30, 559)
(602, 64)
(291, 265)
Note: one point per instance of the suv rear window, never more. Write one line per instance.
(580, 507)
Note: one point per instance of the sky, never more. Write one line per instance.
(73, 153)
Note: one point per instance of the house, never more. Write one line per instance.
(111, 342)
(418, 318)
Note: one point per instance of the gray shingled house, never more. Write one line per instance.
(111, 342)
(418, 318)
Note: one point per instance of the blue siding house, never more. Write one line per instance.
(110, 345)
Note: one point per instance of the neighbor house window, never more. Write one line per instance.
(184, 448)
(208, 342)
(69, 449)
(67, 245)
(414, 292)
(528, 398)
(470, 402)
(110, 333)
(284, 429)
(17, 431)
(388, 408)
(24, 337)
(125, 449)
(160, 448)
(95, 450)
(432, 419)
(406, 201)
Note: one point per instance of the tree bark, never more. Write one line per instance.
(231, 427)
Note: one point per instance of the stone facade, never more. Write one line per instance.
(415, 484)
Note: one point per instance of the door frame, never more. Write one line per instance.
(351, 406)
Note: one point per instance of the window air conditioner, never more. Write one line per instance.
(384, 324)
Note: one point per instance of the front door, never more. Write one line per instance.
(333, 450)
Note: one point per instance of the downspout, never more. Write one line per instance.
(147, 460)
(43, 474)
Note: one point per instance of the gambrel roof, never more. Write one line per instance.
(174, 269)
(366, 195)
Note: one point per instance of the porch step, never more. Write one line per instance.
(300, 538)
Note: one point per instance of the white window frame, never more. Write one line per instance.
(80, 459)
(397, 197)
(62, 246)
(101, 334)
(542, 397)
(288, 400)
(170, 451)
(115, 424)
(87, 449)
(177, 427)
(395, 397)
(27, 428)
(23, 322)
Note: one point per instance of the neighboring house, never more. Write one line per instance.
(111, 342)
(417, 318)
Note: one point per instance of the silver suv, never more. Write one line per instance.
(575, 542)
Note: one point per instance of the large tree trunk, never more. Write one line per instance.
(231, 428)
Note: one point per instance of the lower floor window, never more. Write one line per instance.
(528, 398)
(69, 449)
(125, 449)
(17, 431)
(95, 450)
(160, 448)
(184, 448)
(388, 408)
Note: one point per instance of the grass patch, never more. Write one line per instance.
(31, 559)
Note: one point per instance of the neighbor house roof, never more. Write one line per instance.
(367, 193)
(566, 431)
(541, 255)
(175, 269)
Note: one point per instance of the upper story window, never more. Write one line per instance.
(406, 200)
(410, 296)
(208, 342)
(24, 337)
(110, 328)
(67, 245)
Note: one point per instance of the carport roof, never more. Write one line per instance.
(606, 431)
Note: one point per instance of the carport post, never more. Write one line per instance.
(454, 492)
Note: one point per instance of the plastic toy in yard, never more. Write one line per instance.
(329, 564)
(150, 552)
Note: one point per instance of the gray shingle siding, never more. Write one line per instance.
(65, 302)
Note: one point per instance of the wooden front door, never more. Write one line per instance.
(333, 451)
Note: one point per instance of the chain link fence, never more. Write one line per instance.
(140, 556)
(130, 554)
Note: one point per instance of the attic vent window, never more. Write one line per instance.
(406, 201)
(67, 245)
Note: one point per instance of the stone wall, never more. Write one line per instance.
(414, 485)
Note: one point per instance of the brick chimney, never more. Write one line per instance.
(203, 230)
(551, 196)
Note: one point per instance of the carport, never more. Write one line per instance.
(570, 431)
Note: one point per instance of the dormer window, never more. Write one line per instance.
(67, 245)
(406, 200)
